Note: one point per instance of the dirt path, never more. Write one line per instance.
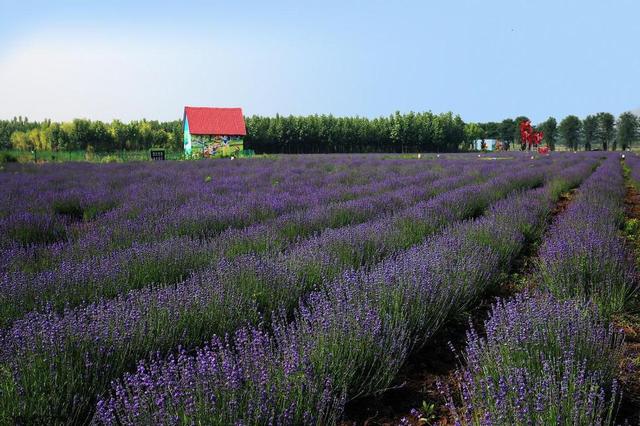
(415, 386)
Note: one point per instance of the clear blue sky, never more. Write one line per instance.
(484, 60)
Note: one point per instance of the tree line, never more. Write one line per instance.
(92, 135)
(411, 132)
(598, 131)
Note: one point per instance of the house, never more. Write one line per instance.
(213, 132)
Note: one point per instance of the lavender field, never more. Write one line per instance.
(282, 290)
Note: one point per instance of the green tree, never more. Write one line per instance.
(606, 130)
(101, 138)
(505, 130)
(119, 134)
(569, 130)
(589, 131)
(67, 143)
(80, 136)
(35, 140)
(473, 132)
(627, 129)
(20, 140)
(550, 129)
(491, 130)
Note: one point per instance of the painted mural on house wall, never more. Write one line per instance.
(216, 146)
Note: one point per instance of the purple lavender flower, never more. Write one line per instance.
(543, 361)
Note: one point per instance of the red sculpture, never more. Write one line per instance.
(529, 136)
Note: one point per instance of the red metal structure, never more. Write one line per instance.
(529, 136)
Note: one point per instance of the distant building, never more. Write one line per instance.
(490, 144)
(213, 132)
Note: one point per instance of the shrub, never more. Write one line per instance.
(110, 159)
(6, 157)
(69, 207)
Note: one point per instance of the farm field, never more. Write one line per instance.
(320, 289)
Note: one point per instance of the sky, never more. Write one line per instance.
(484, 60)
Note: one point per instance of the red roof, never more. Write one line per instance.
(215, 121)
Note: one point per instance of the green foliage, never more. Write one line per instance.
(589, 129)
(605, 132)
(472, 132)
(110, 159)
(6, 157)
(506, 130)
(627, 129)
(325, 134)
(8, 127)
(550, 129)
(79, 134)
(569, 130)
(410, 232)
(599, 128)
(427, 413)
(100, 157)
(491, 130)
(68, 207)
(632, 228)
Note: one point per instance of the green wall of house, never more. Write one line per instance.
(187, 137)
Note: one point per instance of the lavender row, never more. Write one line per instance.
(349, 339)
(110, 336)
(584, 256)
(168, 261)
(276, 281)
(321, 258)
(172, 260)
(143, 207)
(543, 361)
(66, 192)
(417, 291)
(339, 332)
(325, 256)
(160, 206)
(632, 167)
(552, 358)
(32, 188)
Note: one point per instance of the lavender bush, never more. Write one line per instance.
(241, 380)
(584, 255)
(543, 361)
